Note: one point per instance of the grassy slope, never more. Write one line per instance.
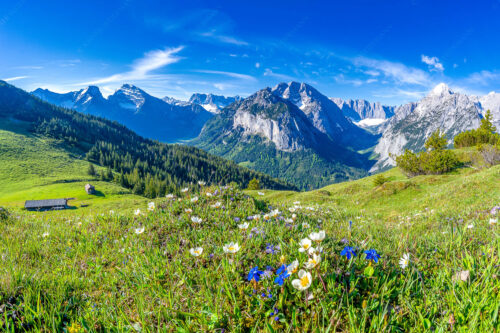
(37, 168)
(466, 187)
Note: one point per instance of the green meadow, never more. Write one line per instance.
(411, 255)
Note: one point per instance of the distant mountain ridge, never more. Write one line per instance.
(213, 103)
(149, 116)
(361, 109)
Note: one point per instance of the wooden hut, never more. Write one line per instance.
(52, 204)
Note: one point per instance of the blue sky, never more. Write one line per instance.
(388, 51)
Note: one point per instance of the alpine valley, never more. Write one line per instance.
(290, 131)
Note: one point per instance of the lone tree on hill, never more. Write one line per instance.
(91, 170)
(254, 184)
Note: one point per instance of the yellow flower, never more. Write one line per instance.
(74, 328)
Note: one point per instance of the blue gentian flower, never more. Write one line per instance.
(348, 252)
(372, 255)
(254, 274)
(282, 275)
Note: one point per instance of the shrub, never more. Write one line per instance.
(436, 160)
(379, 180)
(490, 154)
(253, 184)
(4, 214)
(485, 134)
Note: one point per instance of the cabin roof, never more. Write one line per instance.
(45, 203)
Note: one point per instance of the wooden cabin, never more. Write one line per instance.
(52, 204)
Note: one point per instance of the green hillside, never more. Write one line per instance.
(34, 167)
(467, 187)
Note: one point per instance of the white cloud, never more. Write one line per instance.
(270, 73)
(257, 65)
(484, 77)
(224, 38)
(15, 78)
(398, 72)
(230, 74)
(141, 68)
(433, 62)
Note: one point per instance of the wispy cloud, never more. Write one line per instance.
(142, 68)
(15, 78)
(484, 77)
(398, 72)
(270, 73)
(433, 63)
(223, 38)
(230, 74)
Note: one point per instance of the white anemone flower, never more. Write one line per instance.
(256, 217)
(470, 226)
(194, 199)
(45, 234)
(294, 217)
(184, 190)
(404, 261)
(293, 267)
(196, 252)
(139, 230)
(493, 221)
(170, 196)
(188, 210)
(137, 212)
(313, 261)
(244, 226)
(151, 206)
(305, 225)
(261, 193)
(218, 204)
(304, 281)
(267, 217)
(317, 236)
(275, 213)
(305, 244)
(231, 248)
(202, 183)
(196, 219)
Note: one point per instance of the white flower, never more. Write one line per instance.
(139, 230)
(493, 221)
(292, 209)
(188, 210)
(470, 226)
(267, 217)
(317, 236)
(197, 251)
(312, 262)
(45, 234)
(231, 248)
(151, 206)
(289, 221)
(170, 196)
(218, 204)
(196, 219)
(311, 251)
(243, 226)
(260, 193)
(111, 212)
(404, 261)
(296, 203)
(137, 212)
(194, 199)
(256, 217)
(305, 225)
(184, 190)
(294, 217)
(305, 244)
(304, 280)
(293, 267)
(202, 183)
(275, 213)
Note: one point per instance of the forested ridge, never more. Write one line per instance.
(148, 167)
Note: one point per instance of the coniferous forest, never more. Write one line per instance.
(149, 168)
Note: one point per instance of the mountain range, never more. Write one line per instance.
(290, 131)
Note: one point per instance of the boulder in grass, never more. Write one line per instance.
(90, 189)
